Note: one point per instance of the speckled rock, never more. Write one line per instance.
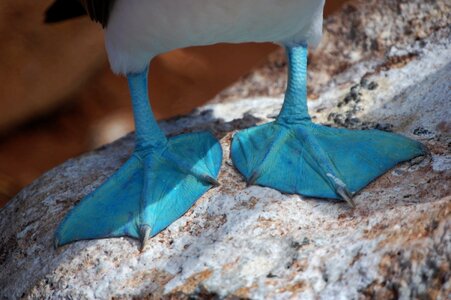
(254, 242)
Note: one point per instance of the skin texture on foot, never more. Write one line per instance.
(161, 180)
(294, 155)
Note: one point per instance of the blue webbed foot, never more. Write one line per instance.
(294, 155)
(318, 161)
(157, 185)
(150, 191)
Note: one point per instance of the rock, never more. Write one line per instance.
(254, 242)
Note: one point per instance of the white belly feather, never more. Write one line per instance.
(140, 29)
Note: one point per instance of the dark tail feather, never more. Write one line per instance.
(62, 10)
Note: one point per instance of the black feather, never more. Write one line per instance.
(62, 10)
(98, 10)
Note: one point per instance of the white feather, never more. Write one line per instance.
(138, 30)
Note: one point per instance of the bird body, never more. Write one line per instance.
(138, 30)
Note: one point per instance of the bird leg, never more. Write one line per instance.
(161, 180)
(295, 155)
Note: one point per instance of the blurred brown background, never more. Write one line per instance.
(59, 99)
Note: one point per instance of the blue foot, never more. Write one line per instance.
(294, 155)
(318, 161)
(157, 185)
(151, 190)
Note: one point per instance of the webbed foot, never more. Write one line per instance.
(294, 155)
(318, 161)
(157, 185)
(150, 191)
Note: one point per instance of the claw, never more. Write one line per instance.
(418, 160)
(346, 195)
(211, 181)
(144, 231)
(341, 189)
(253, 178)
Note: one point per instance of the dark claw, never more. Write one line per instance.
(417, 160)
(56, 243)
(212, 181)
(253, 178)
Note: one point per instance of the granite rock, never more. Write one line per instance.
(254, 242)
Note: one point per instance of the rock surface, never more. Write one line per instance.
(254, 242)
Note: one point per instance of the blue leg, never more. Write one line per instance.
(157, 185)
(294, 155)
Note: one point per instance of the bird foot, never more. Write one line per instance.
(156, 186)
(318, 161)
